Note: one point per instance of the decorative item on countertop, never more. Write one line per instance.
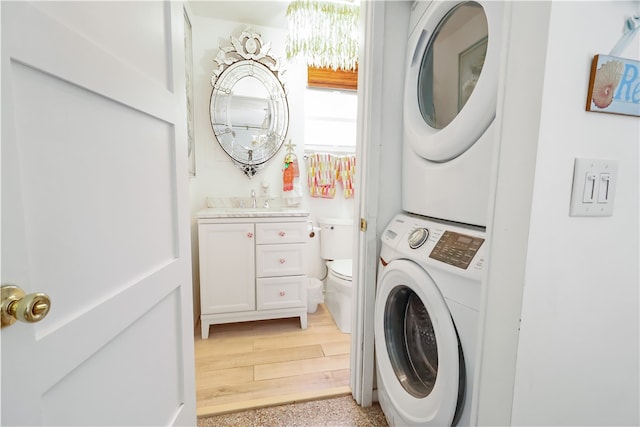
(614, 85)
(321, 175)
(291, 187)
(346, 171)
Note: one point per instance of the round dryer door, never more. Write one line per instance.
(452, 77)
(420, 364)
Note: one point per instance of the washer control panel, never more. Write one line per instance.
(435, 244)
(456, 249)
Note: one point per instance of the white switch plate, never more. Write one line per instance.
(594, 184)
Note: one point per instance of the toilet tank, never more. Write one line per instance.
(336, 238)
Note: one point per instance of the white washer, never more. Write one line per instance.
(449, 109)
(426, 320)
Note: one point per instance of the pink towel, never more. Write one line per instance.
(346, 171)
(321, 175)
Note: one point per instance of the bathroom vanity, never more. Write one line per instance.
(252, 265)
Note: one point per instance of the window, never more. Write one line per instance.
(330, 120)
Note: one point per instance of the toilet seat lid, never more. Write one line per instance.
(342, 268)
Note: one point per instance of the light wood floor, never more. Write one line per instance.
(256, 364)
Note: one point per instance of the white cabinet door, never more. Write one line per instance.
(227, 268)
(95, 213)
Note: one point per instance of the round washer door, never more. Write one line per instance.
(451, 82)
(417, 348)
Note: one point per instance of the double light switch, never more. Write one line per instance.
(593, 187)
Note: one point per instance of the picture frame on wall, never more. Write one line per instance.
(470, 62)
(614, 86)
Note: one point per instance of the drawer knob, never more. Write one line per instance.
(249, 234)
(282, 260)
(282, 293)
(281, 234)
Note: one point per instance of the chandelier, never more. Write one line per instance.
(324, 33)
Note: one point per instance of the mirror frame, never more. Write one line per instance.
(248, 56)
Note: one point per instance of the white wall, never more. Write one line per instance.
(578, 351)
(575, 360)
(216, 176)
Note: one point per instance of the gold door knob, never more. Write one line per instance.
(15, 305)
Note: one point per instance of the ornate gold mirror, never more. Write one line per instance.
(248, 109)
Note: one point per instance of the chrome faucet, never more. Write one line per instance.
(253, 198)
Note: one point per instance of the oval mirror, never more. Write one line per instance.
(248, 109)
(448, 75)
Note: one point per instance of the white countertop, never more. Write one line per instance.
(250, 213)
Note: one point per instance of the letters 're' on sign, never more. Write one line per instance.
(614, 86)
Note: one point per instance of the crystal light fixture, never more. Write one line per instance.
(325, 33)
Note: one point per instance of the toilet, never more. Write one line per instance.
(336, 244)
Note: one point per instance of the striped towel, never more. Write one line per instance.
(321, 175)
(346, 170)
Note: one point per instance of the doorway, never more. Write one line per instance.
(259, 363)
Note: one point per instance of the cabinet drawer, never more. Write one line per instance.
(281, 292)
(280, 260)
(281, 232)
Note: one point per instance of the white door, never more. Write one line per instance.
(95, 214)
(367, 182)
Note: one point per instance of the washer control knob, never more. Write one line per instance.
(418, 237)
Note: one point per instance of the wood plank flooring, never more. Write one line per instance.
(250, 365)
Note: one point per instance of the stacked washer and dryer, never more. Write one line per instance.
(434, 254)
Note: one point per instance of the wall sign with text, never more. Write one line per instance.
(614, 86)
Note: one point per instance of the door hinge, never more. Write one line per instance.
(363, 224)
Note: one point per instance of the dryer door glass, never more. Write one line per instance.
(411, 342)
(452, 64)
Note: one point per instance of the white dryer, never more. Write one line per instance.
(453, 57)
(426, 320)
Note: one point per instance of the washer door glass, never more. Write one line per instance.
(451, 81)
(411, 342)
(459, 43)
